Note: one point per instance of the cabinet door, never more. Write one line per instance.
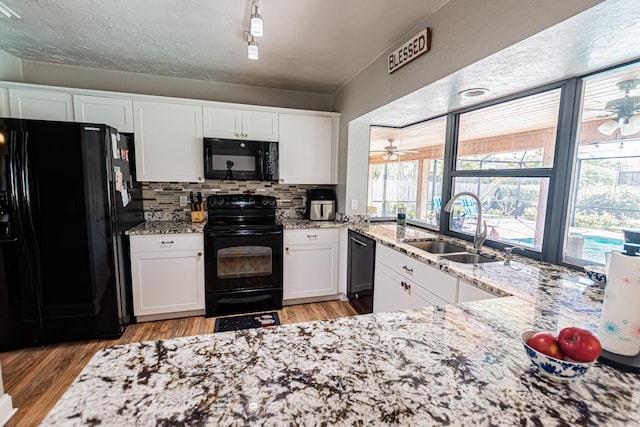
(168, 140)
(167, 282)
(310, 270)
(222, 123)
(4, 102)
(468, 292)
(388, 293)
(260, 126)
(111, 111)
(41, 105)
(306, 149)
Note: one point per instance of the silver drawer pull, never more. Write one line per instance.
(407, 269)
(170, 242)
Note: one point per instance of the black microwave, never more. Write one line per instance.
(234, 159)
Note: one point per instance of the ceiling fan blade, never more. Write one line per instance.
(406, 152)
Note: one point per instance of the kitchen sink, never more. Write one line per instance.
(436, 247)
(467, 258)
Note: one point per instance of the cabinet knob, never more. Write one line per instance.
(407, 269)
(286, 250)
(199, 253)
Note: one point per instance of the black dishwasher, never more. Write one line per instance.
(360, 269)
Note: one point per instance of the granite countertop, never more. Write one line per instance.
(178, 227)
(459, 364)
(165, 227)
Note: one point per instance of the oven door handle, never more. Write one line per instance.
(243, 233)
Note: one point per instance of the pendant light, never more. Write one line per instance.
(252, 50)
(257, 24)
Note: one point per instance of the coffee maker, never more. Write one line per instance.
(321, 205)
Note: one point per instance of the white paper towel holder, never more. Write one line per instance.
(625, 363)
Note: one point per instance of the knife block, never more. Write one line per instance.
(197, 214)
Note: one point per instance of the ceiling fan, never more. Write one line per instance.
(391, 152)
(625, 109)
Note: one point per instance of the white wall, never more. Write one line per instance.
(463, 33)
(10, 67)
(120, 81)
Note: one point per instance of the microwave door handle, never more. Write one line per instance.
(321, 210)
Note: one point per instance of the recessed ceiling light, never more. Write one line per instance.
(472, 93)
(6, 11)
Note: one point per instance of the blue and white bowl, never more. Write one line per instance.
(596, 273)
(550, 366)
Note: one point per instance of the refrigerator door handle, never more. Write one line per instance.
(16, 171)
(26, 182)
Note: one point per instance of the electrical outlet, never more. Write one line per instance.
(354, 204)
(183, 200)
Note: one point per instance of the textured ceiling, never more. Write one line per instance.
(309, 45)
(604, 35)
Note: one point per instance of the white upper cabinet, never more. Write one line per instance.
(111, 111)
(308, 149)
(41, 105)
(240, 124)
(168, 140)
(4, 102)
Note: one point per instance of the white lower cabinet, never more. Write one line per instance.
(167, 275)
(467, 292)
(310, 263)
(395, 292)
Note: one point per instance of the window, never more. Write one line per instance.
(605, 191)
(505, 154)
(406, 169)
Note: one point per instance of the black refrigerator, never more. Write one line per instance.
(67, 194)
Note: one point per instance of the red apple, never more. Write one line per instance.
(545, 343)
(579, 344)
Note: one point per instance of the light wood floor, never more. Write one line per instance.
(37, 377)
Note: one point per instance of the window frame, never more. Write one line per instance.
(560, 174)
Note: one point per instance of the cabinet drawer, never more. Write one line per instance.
(166, 242)
(435, 281)
(311, 235)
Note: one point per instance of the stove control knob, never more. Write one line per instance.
(265, 201)
(272, 202)
(220, 201)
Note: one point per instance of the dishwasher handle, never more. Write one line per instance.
(364, 245)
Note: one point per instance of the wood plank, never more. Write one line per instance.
(37, 377)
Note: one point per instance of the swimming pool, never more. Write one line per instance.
(594, 247)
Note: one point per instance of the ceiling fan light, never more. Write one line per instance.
(385, 156)
(634, 122)
(393, 156)
(608, 127)
(630, 127)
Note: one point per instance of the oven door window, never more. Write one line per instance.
(244, 261)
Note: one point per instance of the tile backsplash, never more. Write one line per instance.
(161, 200)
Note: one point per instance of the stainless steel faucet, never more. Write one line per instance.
(481, 234)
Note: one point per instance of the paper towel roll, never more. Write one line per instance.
(619, 330)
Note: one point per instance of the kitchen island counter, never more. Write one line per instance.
(455, 365)
(459, 364)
